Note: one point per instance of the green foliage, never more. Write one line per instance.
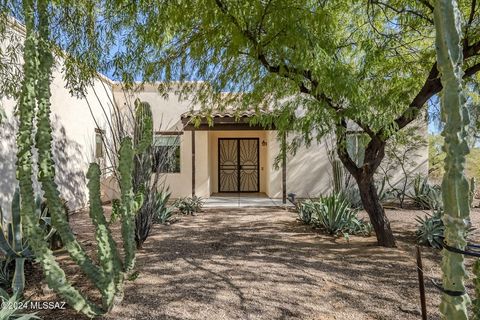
(333, 215)
(163, 213)
(426, 196)
(189, 205)
(13, 304)
(430, 229)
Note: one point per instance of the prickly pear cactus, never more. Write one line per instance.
(455, 186)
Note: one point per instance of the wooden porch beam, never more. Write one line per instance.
(284, 167)
(193, 163)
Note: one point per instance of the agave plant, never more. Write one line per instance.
(13, 244)
(425, 195)
(430, 229)
(163, 214)
(334, 215)
(304, 210)
(11, 308)
(189, 205)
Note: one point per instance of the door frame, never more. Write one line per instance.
(238, 165)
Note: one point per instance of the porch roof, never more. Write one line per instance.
(226, 119)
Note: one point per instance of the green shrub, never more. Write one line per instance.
(334, 215)
(425, 195)
(430, 229)
(163, 213)
(189, 205)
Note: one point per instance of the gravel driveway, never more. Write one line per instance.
(263, 264)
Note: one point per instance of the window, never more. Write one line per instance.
(166, 157)
(99, 152)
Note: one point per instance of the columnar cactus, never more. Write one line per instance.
(476, 282)
(108, 275)
(473, 188)
(338, 183)
(142, 170)
(25, 111)
(46, 174)
(448, 27)
(129, 204)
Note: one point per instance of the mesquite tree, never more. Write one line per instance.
(455, 186)
(329, 65)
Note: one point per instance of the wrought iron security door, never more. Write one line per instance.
(238, 165)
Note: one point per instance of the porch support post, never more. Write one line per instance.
(193, 163)
(284, 167)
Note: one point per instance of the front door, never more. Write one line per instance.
(238, 164)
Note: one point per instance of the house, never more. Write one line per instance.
(229, 157)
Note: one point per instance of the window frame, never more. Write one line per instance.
(176, 153)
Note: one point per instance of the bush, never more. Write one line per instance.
(425, 195)
(334, 215)
(189, 205)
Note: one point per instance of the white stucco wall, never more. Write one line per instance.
(73, 143)
(166, 117)
(74, 137)
(308, 170)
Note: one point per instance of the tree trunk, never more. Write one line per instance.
(374, 154)
(371, 204)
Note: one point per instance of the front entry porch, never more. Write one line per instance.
(243, 200)
(234, 159)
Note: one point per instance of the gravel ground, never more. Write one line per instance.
(263, 264)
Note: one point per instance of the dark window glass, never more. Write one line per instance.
(166, 154)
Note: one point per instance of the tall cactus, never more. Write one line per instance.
(142, 171)
(25, 112)
(338, 182)
(455, 115)
(473, 190)
(108, 275)
(129, 204)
